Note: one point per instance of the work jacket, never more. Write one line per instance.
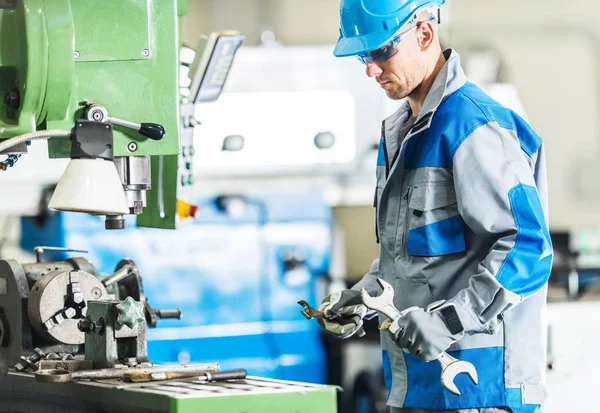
(461, 207)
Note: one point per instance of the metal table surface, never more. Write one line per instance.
(20, 393)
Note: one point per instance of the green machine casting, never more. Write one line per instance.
(115, 61)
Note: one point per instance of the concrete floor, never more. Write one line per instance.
(573, 383)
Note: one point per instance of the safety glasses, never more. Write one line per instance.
(388, 50)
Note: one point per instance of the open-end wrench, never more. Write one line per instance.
(309, 313)
(451, 367)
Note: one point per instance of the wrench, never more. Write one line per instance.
(451, 367)
(309, 313)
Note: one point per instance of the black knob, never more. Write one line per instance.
(13, 99)
(86, 325)
(153, 131)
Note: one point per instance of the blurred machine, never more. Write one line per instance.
(235, 271)
(100, 81)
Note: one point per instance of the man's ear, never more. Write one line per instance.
(426, 34)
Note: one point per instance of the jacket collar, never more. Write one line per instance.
(449, 80)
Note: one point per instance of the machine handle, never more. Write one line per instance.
(152, 131)
(226, 375)
(39, 250)
(172, 313)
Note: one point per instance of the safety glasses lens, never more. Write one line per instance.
(380, 55)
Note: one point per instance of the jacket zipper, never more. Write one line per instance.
(385, 152)
(406, 217)
(376, 220)
(387, 171)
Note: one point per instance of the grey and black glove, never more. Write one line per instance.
(427, 334)
(344, 312)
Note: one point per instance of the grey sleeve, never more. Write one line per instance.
(369, 281)
(499, 200)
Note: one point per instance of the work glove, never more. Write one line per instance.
(344, 312)
(427, 333)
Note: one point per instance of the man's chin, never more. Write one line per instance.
(395, 94)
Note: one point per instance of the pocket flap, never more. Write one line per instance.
(432, 195)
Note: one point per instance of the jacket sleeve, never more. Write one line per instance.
(497, 180)
(369, 281)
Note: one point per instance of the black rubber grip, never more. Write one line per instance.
(152, 131)
(227, 375)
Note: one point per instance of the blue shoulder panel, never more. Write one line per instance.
(527, 267)
(457, 117)
(381, 154)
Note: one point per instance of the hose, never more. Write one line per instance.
(42, 134)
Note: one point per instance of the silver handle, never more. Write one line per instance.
(161, 189)
(125, 123)
(40, 250)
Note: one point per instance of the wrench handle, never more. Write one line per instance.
(445, 360)
(393, 314)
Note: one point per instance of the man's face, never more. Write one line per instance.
(400, 75)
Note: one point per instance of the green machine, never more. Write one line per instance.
(110, 61)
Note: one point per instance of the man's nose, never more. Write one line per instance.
(373, 70)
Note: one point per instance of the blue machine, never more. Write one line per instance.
(236, 271)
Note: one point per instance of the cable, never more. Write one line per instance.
(43, 134)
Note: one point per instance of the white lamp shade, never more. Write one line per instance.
(92, 186)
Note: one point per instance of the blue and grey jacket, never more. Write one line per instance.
(462, 216)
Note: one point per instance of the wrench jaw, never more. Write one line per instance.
(452, 370)
(307, 311)
(379, 302)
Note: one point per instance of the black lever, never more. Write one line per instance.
(153, 131)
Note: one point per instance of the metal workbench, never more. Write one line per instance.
(20, 393)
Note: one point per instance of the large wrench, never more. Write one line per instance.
(451, 367)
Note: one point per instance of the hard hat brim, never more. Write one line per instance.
(352, 46)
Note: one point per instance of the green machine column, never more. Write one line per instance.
(58, 55)
(161, 211)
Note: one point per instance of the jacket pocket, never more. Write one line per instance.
(409, 292)
(434, 226)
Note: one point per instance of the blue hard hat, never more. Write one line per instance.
(366, 25)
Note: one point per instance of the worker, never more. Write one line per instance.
(462, 222)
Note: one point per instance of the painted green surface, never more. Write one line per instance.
(121, 54)
(182, 7)
(313, 401)
(23, 28)
(112, 71)
(8, 55)
(152, 218)
(98, 39)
